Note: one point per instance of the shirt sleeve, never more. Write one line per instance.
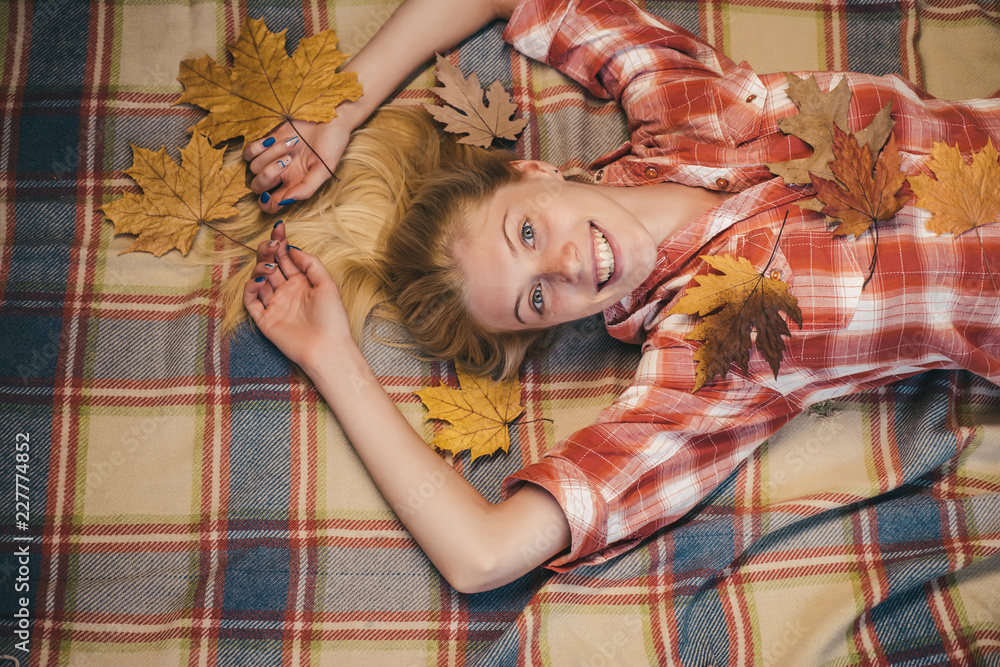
(682, 97)
(652, 455)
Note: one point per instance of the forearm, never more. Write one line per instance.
(451, 519)
(417, 30)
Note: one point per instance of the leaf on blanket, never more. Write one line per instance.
(961, 196)
(478, 414)
(819, 114)
(733, 304)
(468, 114)
(265, 87)
(176, 199)
(866, 190)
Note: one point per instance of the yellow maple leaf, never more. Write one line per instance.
(820, 114)
(468, 114)
(478, 414)
(265, 87)
(732, 304)
(176, 199)
(961, 196)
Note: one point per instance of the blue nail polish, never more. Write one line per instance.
(296, 247)
(268, 142)
(259, 279)
(286, 202)
(276, 224)
(264, 198)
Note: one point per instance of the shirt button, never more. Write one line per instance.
(751, 98)
(722, 183)
(651, 172)
(600, 175)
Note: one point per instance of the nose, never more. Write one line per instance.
(564, 262)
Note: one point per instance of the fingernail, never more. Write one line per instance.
(296, 247)
(259, 279)
(269, 266)
(282, 164)
(271, 244)
(264, 198)
(276, 224)
(291, 142)
(268, 142)
(286, 202)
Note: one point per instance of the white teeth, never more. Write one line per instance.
(605, 258)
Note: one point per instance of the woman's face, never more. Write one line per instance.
(546, 251)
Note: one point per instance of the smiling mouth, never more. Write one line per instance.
(605, 258)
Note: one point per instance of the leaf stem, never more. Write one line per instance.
(319, 157)
(871, 267)
(219, 231)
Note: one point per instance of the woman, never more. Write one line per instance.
(484, 257)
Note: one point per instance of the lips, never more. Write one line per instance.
(604, 258)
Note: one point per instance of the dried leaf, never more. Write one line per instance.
(176, 199)
(732, 304)
(478, 414)
(962, 196)
(867, 191)
(265, 87)
(819, 113)
(467, 113)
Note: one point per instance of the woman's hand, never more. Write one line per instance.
(295, 302)
(286, 170)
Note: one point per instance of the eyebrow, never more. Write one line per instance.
(513, 252)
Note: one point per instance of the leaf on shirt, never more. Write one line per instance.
(866, 190)
(819, 114)
(961, 196)
(478, 413)
(264, 87)
(734, 304)
(467, 113)
(177, 198)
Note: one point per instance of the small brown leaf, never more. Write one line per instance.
(819, 114)
(265, 87)
(961, 196)
(867, 190)
(732, 304)
(478, 413)
(176, 199)
(468, 114)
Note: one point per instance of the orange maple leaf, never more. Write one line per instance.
(961, 196)
(732, 304)
(265, 87)
(177, 198)
(478, 413)
(866, 190)
(468, 114)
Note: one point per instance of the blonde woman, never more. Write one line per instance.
(479, 254)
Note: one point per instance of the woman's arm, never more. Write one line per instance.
(475, 545)
(287, 170)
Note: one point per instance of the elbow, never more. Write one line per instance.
(477, 574)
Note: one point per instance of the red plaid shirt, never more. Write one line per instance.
(698, 118)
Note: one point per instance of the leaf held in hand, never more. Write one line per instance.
(478, 414)
(866, 190)
(819, 114)
(265, 87)
(732, 304)
(176, 199)
(467, 113)
(962, 196)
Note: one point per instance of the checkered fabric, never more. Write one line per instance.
(168, 497)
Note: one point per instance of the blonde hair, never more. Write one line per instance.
(387, 228)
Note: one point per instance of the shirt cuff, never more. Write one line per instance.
(584, 507)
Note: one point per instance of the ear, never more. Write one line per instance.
(537, 168)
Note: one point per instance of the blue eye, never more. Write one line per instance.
(527, 232)
(536, 299)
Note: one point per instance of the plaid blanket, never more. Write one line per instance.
(172, 497)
